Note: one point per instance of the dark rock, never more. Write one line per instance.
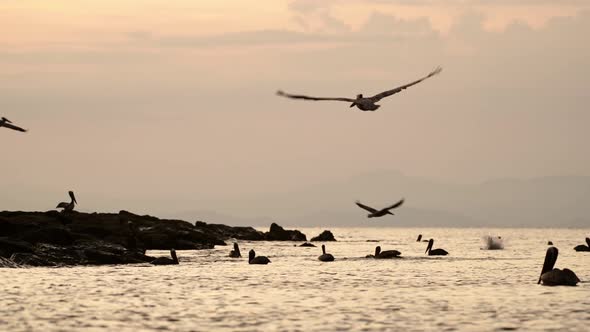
(74, 238)
(228, 232)
(10, 246)
(5, 262)
(325, 236)
(278, 233)
(164, 234)
(307, 244)
(51, 234)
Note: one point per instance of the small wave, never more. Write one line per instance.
(492, 243)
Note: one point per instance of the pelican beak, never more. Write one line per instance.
(353, 105)
(73, 197)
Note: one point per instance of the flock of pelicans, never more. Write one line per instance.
(549, 275)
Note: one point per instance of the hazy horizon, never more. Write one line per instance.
(169, 109)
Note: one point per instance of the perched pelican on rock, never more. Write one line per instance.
(325, 257)
(4, 122)
(67, 207)
(253, 259)
(236, 252)
(435, 252)
(365, 103)
(556, 277)
(582, 247)
(166, 260)
(379, 213)
(385, 254)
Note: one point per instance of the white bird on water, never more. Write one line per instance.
(365, 103)
(67, 207)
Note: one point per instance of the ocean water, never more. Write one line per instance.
(469, 290)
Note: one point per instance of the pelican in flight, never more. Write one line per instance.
(379, 213)
(236, 252)
(556, 277)
(67, 207)
(365, 103)
(253, 259)
(4, 122)
(166, 260)
(435, 252)
(325, 257)
(385, 254)
(582, 247)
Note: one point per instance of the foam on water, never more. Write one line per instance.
(471, 289)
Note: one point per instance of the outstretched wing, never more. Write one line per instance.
(395, 205)
(363, 206)
(388, 93)
(13, 127)
(283, 94)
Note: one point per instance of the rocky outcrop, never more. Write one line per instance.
(56, 239)
(325, 236)
(278, 233)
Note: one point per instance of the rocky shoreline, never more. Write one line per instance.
(65, 239)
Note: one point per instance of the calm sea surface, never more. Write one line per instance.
(469, 290)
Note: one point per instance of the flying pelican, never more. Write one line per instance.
(435, 252)
(4, 122)
(67, 207)
(236, 252)
(385, 254)
(166, 260)
(556, 277)
(379, 213)
(252, 259)
(325, 257)
(582, 247)
(365, 103)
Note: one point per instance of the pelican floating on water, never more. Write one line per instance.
(325, 257)
(556, 277)
(384, 254)
(253, 259)
(365, 103)
(435, 252)
(582, 247)
(379, 213)
(236, 252)
(67, 207)
(166, 260)
(4, 122)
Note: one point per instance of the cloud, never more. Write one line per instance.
(308, 5)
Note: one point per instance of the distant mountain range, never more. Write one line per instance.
(559, 201)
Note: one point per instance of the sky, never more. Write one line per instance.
(159, 106)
